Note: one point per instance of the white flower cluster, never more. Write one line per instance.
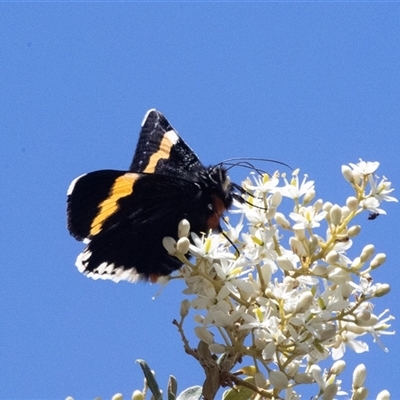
(287, 297)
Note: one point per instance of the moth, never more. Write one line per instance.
(123, 216)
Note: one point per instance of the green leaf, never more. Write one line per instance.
(172, 388)
(239, 392)
(151, 381)
(192, 393)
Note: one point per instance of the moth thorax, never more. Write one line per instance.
(221, 184)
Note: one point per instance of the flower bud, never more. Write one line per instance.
(359, 375)
(183, 228)
(282, 221)
(259, 380)
(270, 212)
(384, 395)
(217, 348)
(300, 234)
(304, 302)
(292, 368)
(353, 230)
(203, 334)
(312, 244)
(309, 196)
(276, 199)
(338, 367)
(364, 315)
(137, 395)
(335, 215)
(315, 370)
(352, 203)
(382, 289)
(303, 378)
(366, 319)
(347, 173)
(330, 392)
(296, 245)
(357, 264)
(360, 394)
(169, 244)
(183, 245)
(198, 318)
(185, 307)
(378, 260)
(367, 252)
(319, 270)
(278, 380)
(117, 396)
(327, 207)
(269, 351)
(327, 332)
(345, 212)
(332, 257)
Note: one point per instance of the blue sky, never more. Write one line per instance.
(315, 85)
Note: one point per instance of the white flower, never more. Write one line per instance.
(293, 190)
(307, 218)
(372, 204)
(290, 298)
(233, 232)
(381, 190)
(209, 247)
(347, 338)
(380, 328)
(264, 183)
(364, 168)
(365, 287)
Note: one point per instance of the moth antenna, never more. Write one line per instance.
(241, 199)
(237, 252)
(245, 164)
(246, 159)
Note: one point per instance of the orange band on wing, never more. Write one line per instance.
(122, 187)
(170, 138)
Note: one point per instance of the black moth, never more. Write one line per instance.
(124, 215)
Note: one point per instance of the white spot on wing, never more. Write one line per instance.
(80, 260)
(172, 136)
(109, 269)
(105, 270)
(101, 268)
(129, 275)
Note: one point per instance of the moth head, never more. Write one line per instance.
(219, 177)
